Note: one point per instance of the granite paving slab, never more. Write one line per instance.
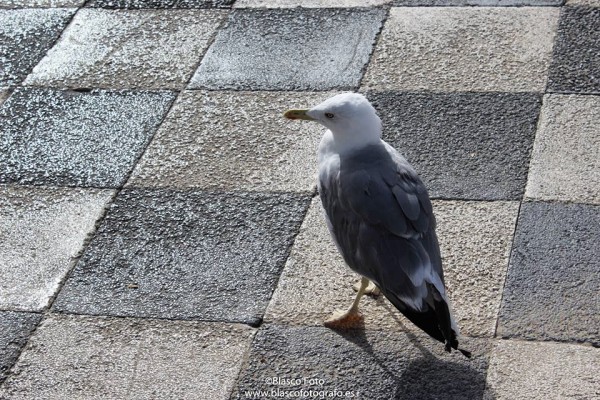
(552, 284)
(290, 49)
(591, 3)
(575, 64)
(233, 141)
(40, 3)
(42, 230)
(57, 137)
(565, 162)
(186, 255)
(157, 4)
(464, 49)
(464, 145)
(483, 3)
(358, 364)
(308, 3)
(149, 49)
(25, 36)
(543, 371)
(113, 358)
(15, 328)
(475, 239)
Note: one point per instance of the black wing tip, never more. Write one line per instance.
(454, 345)
(465, 353)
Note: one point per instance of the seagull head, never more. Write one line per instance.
(349, 116)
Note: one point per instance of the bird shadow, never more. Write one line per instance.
(426, 375)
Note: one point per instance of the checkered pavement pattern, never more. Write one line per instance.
(160, 231)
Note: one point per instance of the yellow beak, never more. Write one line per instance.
(298, 114)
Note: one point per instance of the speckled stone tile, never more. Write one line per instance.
(552, 285)
(543, 371)
(40, 3)
(233, 141)
(591, 3)
(308, 3)
(575, 64)
(285, 49)
(79, 357)
(359, 364)
(464, 145)
(565, 162)
(69, 138)
(464, 49)
(41, 232)
(186, 255)
(475, 239)
(150, 49)
(15, 328)
(25, 36)
(484, 3)
(142, 4)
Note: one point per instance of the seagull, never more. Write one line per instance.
(380, 217)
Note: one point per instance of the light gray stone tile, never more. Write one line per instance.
(75, 357)
(565, 162)
(591, 3)
(475, 240)
(543, 371)
(25, 36)
(40, 3)
(483, 3)
(233, 141)
(308, 3)
(464, 49)
(41, 231)
(290, 49)
(128, 49)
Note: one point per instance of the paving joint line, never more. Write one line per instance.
(222, 25)
(363, 72)
(53, 44)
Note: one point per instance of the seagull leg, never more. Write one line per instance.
(371, 290)
(352, 317)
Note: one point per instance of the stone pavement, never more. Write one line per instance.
(160, 234)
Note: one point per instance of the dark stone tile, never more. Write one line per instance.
(186, 255)
(484, 3)
(142, 4)
(15, 328)
(370, 364)
(290, 49)
(551, 291)
(68, 138)
(575, 66)
(25, 37)
(464, 145)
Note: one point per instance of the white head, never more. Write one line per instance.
(349, 116)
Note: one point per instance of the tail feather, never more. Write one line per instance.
(436, 322)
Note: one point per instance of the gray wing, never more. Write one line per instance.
(381, 217)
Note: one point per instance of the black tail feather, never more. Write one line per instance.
(465, 353)
(435, 322)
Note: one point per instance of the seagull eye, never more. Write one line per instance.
(329, 115)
